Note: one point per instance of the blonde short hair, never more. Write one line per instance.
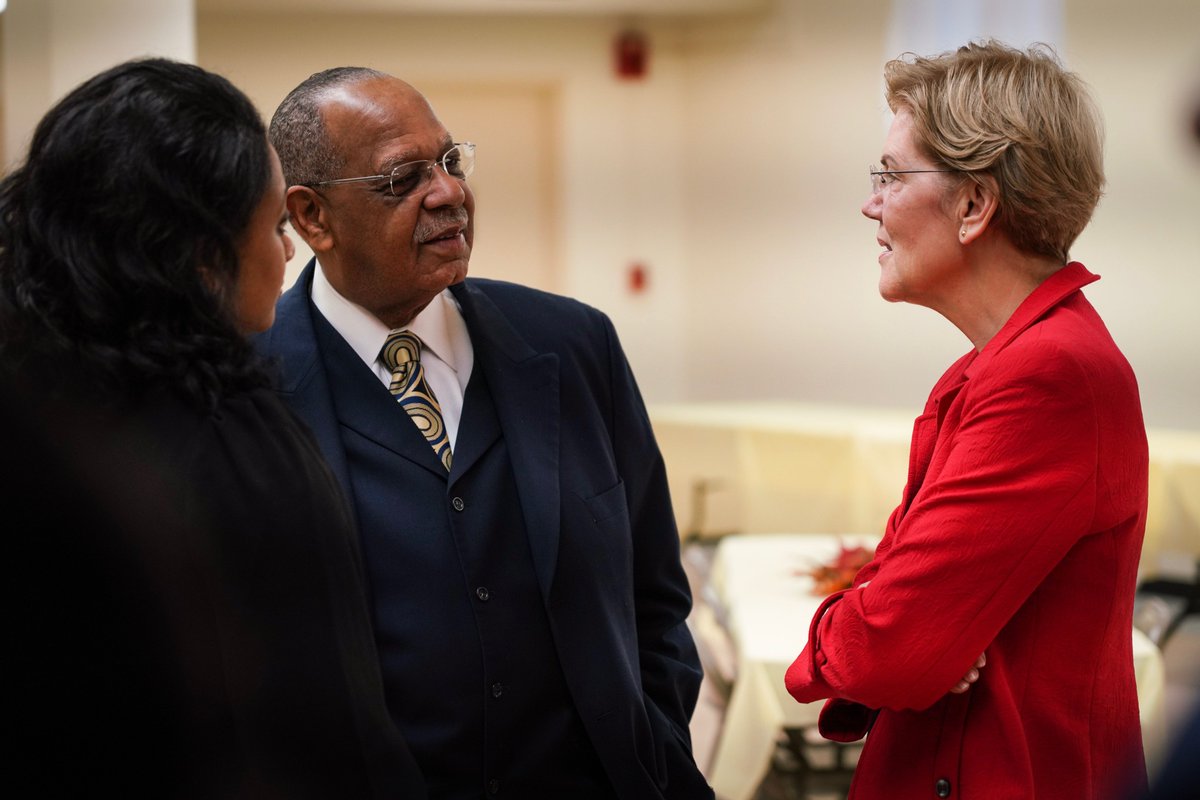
(1019, 117)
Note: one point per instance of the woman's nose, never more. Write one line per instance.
(873, 206)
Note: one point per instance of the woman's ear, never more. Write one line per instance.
(209, 280)
(310, 217)
(977, 205)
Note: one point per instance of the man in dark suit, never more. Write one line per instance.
(522, 556)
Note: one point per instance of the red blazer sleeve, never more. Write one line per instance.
(1010, 489)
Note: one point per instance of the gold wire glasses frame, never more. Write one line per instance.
(879, 176)
(457, 162)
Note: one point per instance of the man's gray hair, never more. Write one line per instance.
(298, 129)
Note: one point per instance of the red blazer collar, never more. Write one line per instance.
(1052, 291)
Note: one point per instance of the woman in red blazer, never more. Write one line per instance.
(987, 647)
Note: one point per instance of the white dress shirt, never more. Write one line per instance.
(446, 355)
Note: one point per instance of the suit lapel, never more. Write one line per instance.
(303, 382)
(524, 386)
(326, 383)
(364, 405)
(927, 427)
(478, 428)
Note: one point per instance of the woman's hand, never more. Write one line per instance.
(971, 676)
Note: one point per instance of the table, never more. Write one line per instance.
(760, 467)
(767, 608)
(1172, 547)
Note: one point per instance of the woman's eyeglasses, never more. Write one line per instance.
(882, 177)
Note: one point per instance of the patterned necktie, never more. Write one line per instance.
(402, 354)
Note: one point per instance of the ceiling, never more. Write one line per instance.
(609, 7)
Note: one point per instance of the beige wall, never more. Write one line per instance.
(734, 173)
(788, 113)
(782, 270)
(1143, 62)
(50, 46)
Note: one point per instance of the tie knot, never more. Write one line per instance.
(401, 349)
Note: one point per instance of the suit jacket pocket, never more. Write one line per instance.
(608, 504)
(600, 536)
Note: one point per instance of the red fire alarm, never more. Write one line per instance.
(631, 53)
(638, 278)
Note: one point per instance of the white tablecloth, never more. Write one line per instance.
(768, 607)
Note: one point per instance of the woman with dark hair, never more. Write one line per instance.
(190, 614)
(121, 237)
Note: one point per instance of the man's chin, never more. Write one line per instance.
(460, 273)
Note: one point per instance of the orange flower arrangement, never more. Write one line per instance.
(839, 573)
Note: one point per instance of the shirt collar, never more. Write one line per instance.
(435, 327)
(440, 324)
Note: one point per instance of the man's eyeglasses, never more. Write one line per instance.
(404, 179)
(882, 177)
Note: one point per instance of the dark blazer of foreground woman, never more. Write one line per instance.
(589, 484)
(187, 608)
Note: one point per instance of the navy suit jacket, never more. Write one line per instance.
(593, 492)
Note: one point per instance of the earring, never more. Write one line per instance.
(963, 232)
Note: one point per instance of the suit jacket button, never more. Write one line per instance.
(497, 689)
(493, 786)
(942, 787)
(482, 593)
(458, 504)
